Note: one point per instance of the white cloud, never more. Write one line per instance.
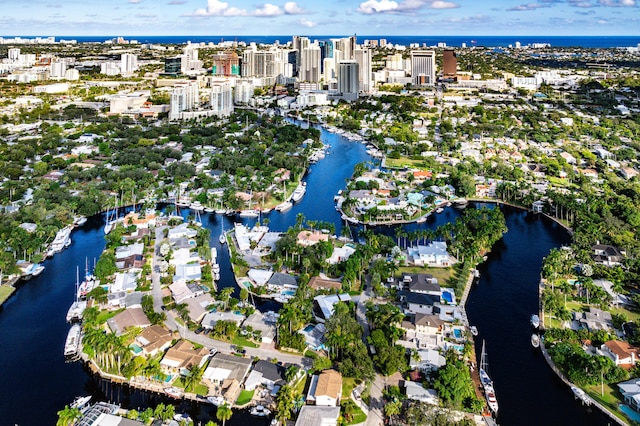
(134, 1)
(373, 6)
(617, 3)
(307, 23)
(268, 10)
(292, 8)
(444, 5)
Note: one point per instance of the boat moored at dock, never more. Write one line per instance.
(72, 342)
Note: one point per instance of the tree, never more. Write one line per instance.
(453, 382)
(224, 413)
(392, 409)
(285, 401)
(68, 416)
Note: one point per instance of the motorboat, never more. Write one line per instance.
(249, 213)
(73, 341)
(535, 321)
(80, 402)
(216, 400)
(474, 330)
(197, 206)
(80, 220)
(535, 340)
(492, 402)
(299, 192)
(439, 210)
(77, 308)
(222, 239)
(173, 392)
(260, 411)
(283, 207)
(61, 241)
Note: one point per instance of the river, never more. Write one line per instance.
(36, 382)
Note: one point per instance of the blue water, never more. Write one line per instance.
(429, 40)
(457, 333)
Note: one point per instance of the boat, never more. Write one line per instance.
(183, 418)
(73, 341)
(79, 220)
(535, 321)
(284, 206)
(62, 240)
(474, 330)
(80, 402)
(173, 391)
(260, 411)
(112, 218)
(77, 308)
(487, 383)
(249, 213)
(535, 340)
(90, 282)
(196, 206)
(216, 400)
(439, 210)
(299, 192)
(422, 219)
(460, 203)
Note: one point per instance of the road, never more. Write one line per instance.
(265, 351)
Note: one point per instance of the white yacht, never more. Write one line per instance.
(299, 192)
(62, 240)
(284, 206)
(73, 341)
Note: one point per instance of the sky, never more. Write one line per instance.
(318, 17)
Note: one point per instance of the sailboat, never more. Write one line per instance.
(112, 218)
(223, 238)
(76, 310)
(487, 383)
(286, 204)
(249, 212)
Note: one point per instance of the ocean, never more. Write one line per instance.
(428, 40)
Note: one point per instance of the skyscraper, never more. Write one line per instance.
(128, 63)
(363, 57)
(449, 64)
(423, 67)
(310, 66)
(185, 96)
(349, 80)
(226, 64)
(222, 99)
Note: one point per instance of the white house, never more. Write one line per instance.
(416, 392)
(434, 254)
(325, 389)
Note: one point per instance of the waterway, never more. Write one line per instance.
(36, 382)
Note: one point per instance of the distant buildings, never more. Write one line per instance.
(349, 80)
(449, 64)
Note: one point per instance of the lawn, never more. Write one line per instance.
(348, 383)
(358, 417)
(243, 341)
(403, 162)
(611, 399)
(301, 385)
(580, 307)
(245, 397)
(443, 275)
(103, 316)
(200, 389)
(5, 292)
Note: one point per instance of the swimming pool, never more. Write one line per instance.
(630, 412)
(135, 348)
(457, 333)
(447, 297)
(288, 292)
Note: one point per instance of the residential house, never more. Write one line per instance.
(607, 255)
(417, 303)
(416, 392)
(265, 323)
(340, 254)
(181, 291)
(630, 391)
(422, 283)
(265, 373)
(317, 283)
(628, 172)
(154, 339)
(426, 360)
(593, 320)
(325, 389)
(280, 282)
(197, 306)
(423, 324)
(126, 282)
(211, 318)
(433, 254)
(318, 416)
(323, 306)
(621, 352)
(308, 238)
(133, 317)
(122, 252)
(182, 356)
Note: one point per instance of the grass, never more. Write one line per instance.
(301, 385)
(358, 417)
(348, 383)
(5, 292)
(243, 341)
(403, 162)
(103, 316)
(443, 275)
(200, 389)
(245, 397)
(609, 400)
(573, 305)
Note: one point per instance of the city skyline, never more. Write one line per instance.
(370, 17)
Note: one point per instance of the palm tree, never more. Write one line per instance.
(224, 413)
(392, 409)
(68, 416)
(285, 401)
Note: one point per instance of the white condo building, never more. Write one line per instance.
(363, 57)
(423, 67)
(128, 63)
(311, 63)
(185, 96)
(57, 69)
(243, 91)
(222, 99)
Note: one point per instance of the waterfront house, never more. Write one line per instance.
(593, 320)
(182, 356)
(422, 324)
(123, 252)
(280, 282)
(308, 238)
(325, 389)
(259, 277)
(417, 303)
(630, 391)
(126, 282)
(340, 254)
(621, 352)
(265, 373)
(422, 283)
(180, 290)
(154, 339)
(132, 317)
(426, 360)
(211, 318)
(318, 416)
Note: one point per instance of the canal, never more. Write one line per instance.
(36, 382)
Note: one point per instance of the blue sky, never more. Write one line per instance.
(319, 17)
